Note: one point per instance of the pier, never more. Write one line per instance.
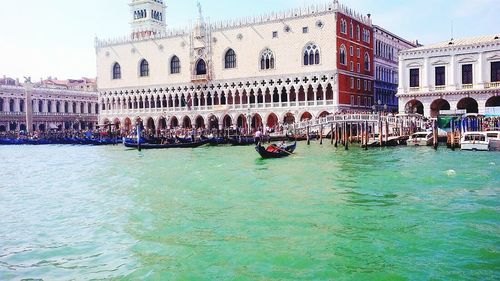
(367, 129)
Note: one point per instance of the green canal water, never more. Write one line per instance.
(221, 213)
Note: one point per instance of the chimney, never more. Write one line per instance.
(369, 15)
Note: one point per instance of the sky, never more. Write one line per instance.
(42, 38)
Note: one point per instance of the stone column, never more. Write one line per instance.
(28, 89)
(480, 72)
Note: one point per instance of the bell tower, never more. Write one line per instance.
(148, 17)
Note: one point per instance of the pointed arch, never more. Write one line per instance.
(342, 55)
(175, 65)
(267, 59)
(230, 59)
(311, 54)
(201, 67)
(144, 68)
(117, 71)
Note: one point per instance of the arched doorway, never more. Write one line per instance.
(323, 114)
(12, 126)
(227, 121)
(2, 128)
(41, 127)
(414, 106)
(305, 116)
(200, 123)
(289, 119)
(213, 122)
(493, 106)
(186, 122)
(174, 122)
(162, 123)
(272, 121)
(117, 124)
(150, 124)
(438, 105)
(469, 104)
(22, 127)
(256, 122)
(128, 124)
(241, 122)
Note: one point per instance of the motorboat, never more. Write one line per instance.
(493, 140)
(474, 141)
(420, 139)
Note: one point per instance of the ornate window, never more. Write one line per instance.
(367, 62)
(117, 71)
(495, 71)
(342, 53)
(311, 54)
(343, 26)
(201, 67)
(175, 65)
(467, 74)
(230, 59)
(414, 77)
(144, 68)
(352, 30)
(440, 76)
(267, 59)
(358, 33)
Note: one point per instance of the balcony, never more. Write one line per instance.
(492, 85)
(439, 88)
(467, 86)
(414, 89)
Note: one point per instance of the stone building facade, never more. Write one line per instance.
(252, 72)
(47, 106)
(386, 49)
(457, 75)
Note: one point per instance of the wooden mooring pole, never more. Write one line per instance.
(346, 138)
(435, 133)
(336, 135)
(367, 132)
(331, 134)
(321, 135)
(307, 136)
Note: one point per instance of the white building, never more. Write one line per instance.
(461, 74)
(387, 47)
(47, 106)
(252, 72)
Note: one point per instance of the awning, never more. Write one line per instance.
(53, 126)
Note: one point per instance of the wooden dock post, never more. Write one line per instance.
(386, 131)
(452, 141)
(346, 137)
(380, 131)
(331, 134)
(367, 131)
(350, 132)
(434, 134)
(336, 135)
(321, 135)
(307, 136)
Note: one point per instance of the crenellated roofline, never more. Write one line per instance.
(330, 7)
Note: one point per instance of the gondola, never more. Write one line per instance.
(275, 151)
(214, 141)
(194, 144)
(241, 141)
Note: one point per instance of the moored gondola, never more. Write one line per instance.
(275, 151)
(133, 144)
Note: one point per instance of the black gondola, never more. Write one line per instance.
(274, 151)
(240, 141)
(164, 146)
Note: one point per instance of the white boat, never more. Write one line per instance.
(420, 139)
(494, 140)
(474, 141)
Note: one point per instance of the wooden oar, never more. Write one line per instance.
(281, 149)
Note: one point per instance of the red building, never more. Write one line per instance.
(354, 62)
